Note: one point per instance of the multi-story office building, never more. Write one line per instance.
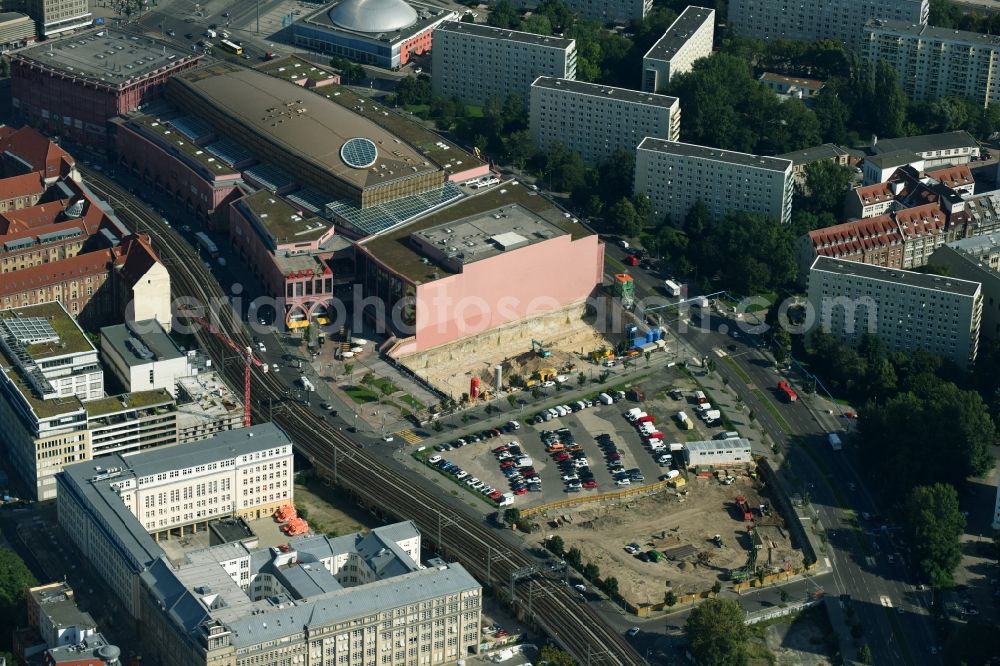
(596, 120)
(688, 38)
(475, 62)
(675, 175)
(131, 422)
(109, 507)
(16, 31)
(47, 367)
(345, 600)
(142, 357)
(937, 62)
(906, 310)
(55, 17)
(840, 20)
(977, 259)
(610, 11)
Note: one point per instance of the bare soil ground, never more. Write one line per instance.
(667, 521)
(802, 642)
(565, 333)
(329, 511)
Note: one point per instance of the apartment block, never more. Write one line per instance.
(688, 38)
(906, 310)
(839, 20)
(109, 507)
(474, 62)
(977, 259)
(907, 187)
(596, 120)
(937, 62)
(609, 11)
(675, 175)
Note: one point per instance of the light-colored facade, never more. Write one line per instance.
(55, 17)
(142, 357)
(688, 38)
(348, 600)
(718, 453)
(596, 120)
(977, 259)
(206, 406)
(131, 422)
(934, 150)
(109, 508)
(16, 30)
(605, 11)
(475, 62)
(47, 367)
(937, 62)
(906, 310)
(53, 612)
(675, 175)
(840, 20)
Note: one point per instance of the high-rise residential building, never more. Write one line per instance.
(110, 507)
(906, 310)
(596, 120)
(475, 62)
(675, 175)
(977, 259)
(55, 17)
(610, 11)
(840, 20)
(688, 38)
(935, 62)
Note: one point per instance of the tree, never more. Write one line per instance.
(468, 18)
(832, 114)
(670, 598)
(552, 655)
(865, 654)
(591, 571)
(888, 102)
(15, 579)
(512, 400)
(782, 347)
(414, 90)
(348, 369)
(555, 545)
(503, 15)
(934, 525)
(352, 71)
(716, 587)
(512, 516)
(610, 586)
(716, 633)
(538, 24)
(574, 558)
(623, 218)
(825, 186)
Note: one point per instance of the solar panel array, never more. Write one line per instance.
(268, 176)
(359, 153)
(309, 200)
(381, 218)
(30, 330)
(229, 152)
(191, 127)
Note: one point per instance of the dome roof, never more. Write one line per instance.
(373, 15)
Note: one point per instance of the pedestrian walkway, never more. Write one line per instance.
(410, 437)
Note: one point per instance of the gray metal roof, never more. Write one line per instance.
(827, 151)
(715, 154)
(927, 142)
(977, 245)
(131, 342)
(489, 32)
(571, 86)
(373, 16)
(927, 281)
(679, 32)
(894, 158)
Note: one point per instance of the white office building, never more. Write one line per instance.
(934, 150)
(143, 357)
(688, 38)
(906, 310)
(475, 62)
(937, 62)
(718, 453)
(808, 21)
(596, 120)
(675, 175)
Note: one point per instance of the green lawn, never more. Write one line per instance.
(411, 401)
(773, 411)
(361, 395)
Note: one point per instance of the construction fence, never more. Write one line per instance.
(638, 491)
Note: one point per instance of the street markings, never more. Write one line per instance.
(410, 437)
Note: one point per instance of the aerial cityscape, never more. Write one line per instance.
(448, 332)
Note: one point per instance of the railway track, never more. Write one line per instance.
(547, 602)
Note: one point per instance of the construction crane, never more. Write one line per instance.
(245, 353)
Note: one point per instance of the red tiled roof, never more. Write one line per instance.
(926, 219)
(872, 194)
(855, 236)
(134, 257)
(39, 277)
(954, 176)
(35, 149)
(21, 185)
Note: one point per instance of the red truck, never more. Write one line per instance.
(787, 391)
(742, 505)
(632, 260)
(645, 419)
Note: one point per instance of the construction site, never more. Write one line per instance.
(549, 344)
(688, 539)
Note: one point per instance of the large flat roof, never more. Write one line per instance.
(304, 123)
(667, 46)
(396, 250)
(489, 32)
(927, 281)
(927, 142)
(605, 92)
(154, 343)
(127, 402)
(167, 133)
(715, 154)
(284, 222)
(107, 55)
(977, 245)
(827, 151)
(932, 32)
(71, 338)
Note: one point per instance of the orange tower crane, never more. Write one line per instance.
(246, 353)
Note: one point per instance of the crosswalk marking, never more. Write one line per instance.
(410, 437)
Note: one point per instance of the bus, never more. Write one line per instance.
(206, 244)
(231, 47)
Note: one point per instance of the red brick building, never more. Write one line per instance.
(71, 87)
